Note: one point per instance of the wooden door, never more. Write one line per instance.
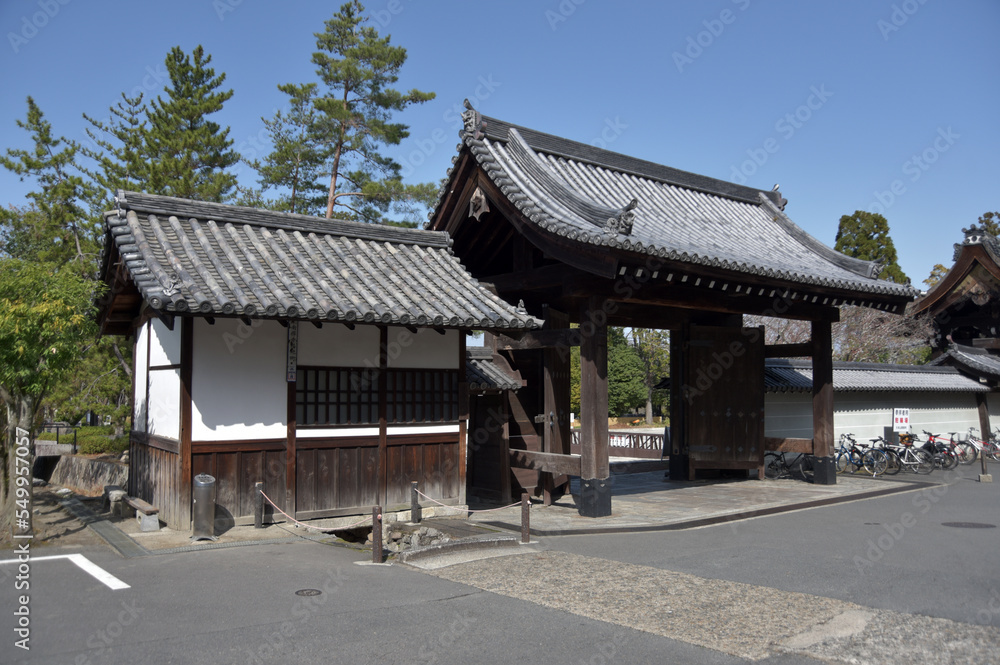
(724, 398)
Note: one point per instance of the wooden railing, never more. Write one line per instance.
(627, 444)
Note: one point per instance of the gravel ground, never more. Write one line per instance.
(743, 620)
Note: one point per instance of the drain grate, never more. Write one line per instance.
(308, 592)
(969, 525)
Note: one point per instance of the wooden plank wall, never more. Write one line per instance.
(154, 476)
(487, 448)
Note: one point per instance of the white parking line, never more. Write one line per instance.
(85, 564)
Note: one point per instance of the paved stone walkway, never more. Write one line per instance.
(649, 501)
(743, 620)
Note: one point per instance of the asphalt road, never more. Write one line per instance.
(238, 605)
(892, 552)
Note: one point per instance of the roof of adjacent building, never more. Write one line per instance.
(783, 375)
(483, 374)
(978, 362)
(583, 193)
(213, 259)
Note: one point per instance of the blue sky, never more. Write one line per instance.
(891, 106)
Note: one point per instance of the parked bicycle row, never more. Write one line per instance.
(880, 457)
(913, 454)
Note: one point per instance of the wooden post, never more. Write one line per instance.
(822, 357)
(377, 534)
(415, 514)
(984, 430)
(595, 484)
(184, 448)
(258, 506)
(525, 518)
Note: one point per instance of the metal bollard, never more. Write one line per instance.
(258, 506)
(415, 512)
(203, 507)
(377, 534)
(525, 518)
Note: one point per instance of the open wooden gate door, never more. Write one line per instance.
(723, 397)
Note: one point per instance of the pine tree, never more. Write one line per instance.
(298, 158)
(61, 225)
(357, 69)
(990, 222)
(118, 150)
(937, 274)
(188, 154)
(865, 235)
(653, 349)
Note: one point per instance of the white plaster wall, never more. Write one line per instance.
(238, 388)
(141, 357)
(165, 402)
(426, 349)
(335, 345)
(421, 429)
(866, 414)
(338, 433)
(993, 404)
(165, 344)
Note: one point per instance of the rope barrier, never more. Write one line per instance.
(314, 528)
(468, 510)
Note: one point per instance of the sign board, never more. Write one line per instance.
(900, 420)
(293, 351)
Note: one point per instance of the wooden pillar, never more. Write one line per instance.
(595, 484)
(291, 454)
(678, 453)
(984, 429)
(382, 463)
(822, 357)
(184, 449)
(463, 420)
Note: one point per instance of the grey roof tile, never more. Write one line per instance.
(484, 375)
(782, 375)
(213, 259)
(974, 361)
(571, 189)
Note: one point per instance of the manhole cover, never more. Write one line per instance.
(969, 525)
(308, 592)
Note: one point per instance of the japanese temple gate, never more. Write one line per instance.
(582, 235)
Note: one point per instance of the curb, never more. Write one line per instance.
(456, 546)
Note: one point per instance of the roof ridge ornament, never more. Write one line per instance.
(478, 205)
(121, 203)
(974, 235)
(622, 222)
(170, 288)
(474, 123)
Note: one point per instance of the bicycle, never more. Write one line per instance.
(906, 455)
(776, 465)
(989, 448)
(945, 451)
(851, 458)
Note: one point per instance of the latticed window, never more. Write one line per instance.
(350, 396)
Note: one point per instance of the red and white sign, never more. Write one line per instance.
(900, 420)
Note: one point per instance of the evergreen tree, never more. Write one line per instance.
(865, 235)
(188, 154)
(61, 225)
(119, 149)
(937, 273)
(299, 156)
(990, 222)
(357, 69)
(653, 349)
(626, 388)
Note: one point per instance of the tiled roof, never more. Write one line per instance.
(781, 375)
(978, 362)
(572, 190)
(484, 374)
(213, 259)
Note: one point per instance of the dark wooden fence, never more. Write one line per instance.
(628, 444)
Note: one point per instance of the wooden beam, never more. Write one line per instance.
(553, 463)
(986, 343)
(788, 350)
(788, 445)
(540, 339)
